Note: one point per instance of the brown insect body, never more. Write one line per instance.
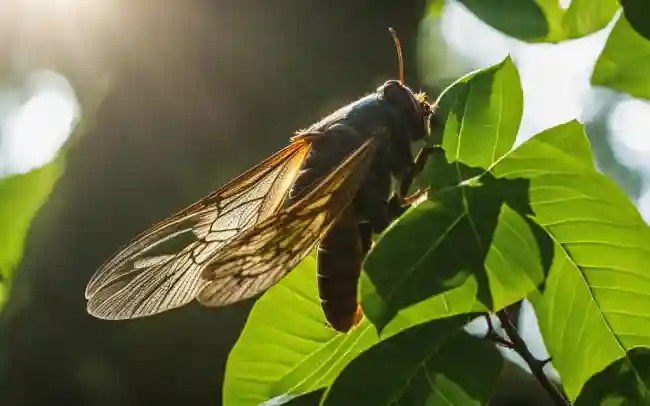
(340, 255)
(394, 115)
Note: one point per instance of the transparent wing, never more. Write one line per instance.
(259, 257)
(160, 269)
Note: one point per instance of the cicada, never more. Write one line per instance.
(331, 188)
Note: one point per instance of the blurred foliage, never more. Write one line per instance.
(637, 12)
(20, 197)
(625, 61)
(544, 20)
(434, 9)
(627, 178)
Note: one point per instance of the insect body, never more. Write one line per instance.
(331, 188)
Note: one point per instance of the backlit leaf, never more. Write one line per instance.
(625, 62)
(286, 347)
(594, 306)
(421, 366)
(544, 20)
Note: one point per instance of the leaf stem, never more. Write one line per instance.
(536, 366)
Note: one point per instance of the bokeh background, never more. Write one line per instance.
(169, 100)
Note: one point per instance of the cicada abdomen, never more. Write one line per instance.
(340, 255)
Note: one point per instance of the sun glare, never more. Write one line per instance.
(62, 5)
(33, 132)
(629, 122)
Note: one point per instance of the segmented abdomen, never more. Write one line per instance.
(340, 255)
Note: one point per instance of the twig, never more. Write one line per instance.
(536, 366)
(493, 336)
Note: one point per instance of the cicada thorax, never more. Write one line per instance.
(396, 117)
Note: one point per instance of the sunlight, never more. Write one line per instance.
(57, 30)
(33, 132)
(644, 205)
(629, 123)
(52, 3)
(554, 77)
(58, 5)
(628, 126)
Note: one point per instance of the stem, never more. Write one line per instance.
(493, 336)
(536, 366)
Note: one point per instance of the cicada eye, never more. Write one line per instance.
(408, 104)
(394, 92)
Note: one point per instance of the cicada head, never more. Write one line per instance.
(413, 106)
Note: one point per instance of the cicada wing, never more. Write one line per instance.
(259, 257)
(160, 269)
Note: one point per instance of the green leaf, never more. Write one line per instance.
(522, 19)
(464, 249)
(583, 17)
(568, 138)
(514, 261)
(286, 348)
(544, 20)
(20, 198)
(483, 113)
(622, 383)
(434, 8)
(307, 399)
(594, 305)
(421, 366)
(637, 12)
(625, 62)
(449, 251)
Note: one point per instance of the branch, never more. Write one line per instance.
(493, 336)
(536, 366)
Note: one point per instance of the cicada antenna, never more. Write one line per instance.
(400, 58)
